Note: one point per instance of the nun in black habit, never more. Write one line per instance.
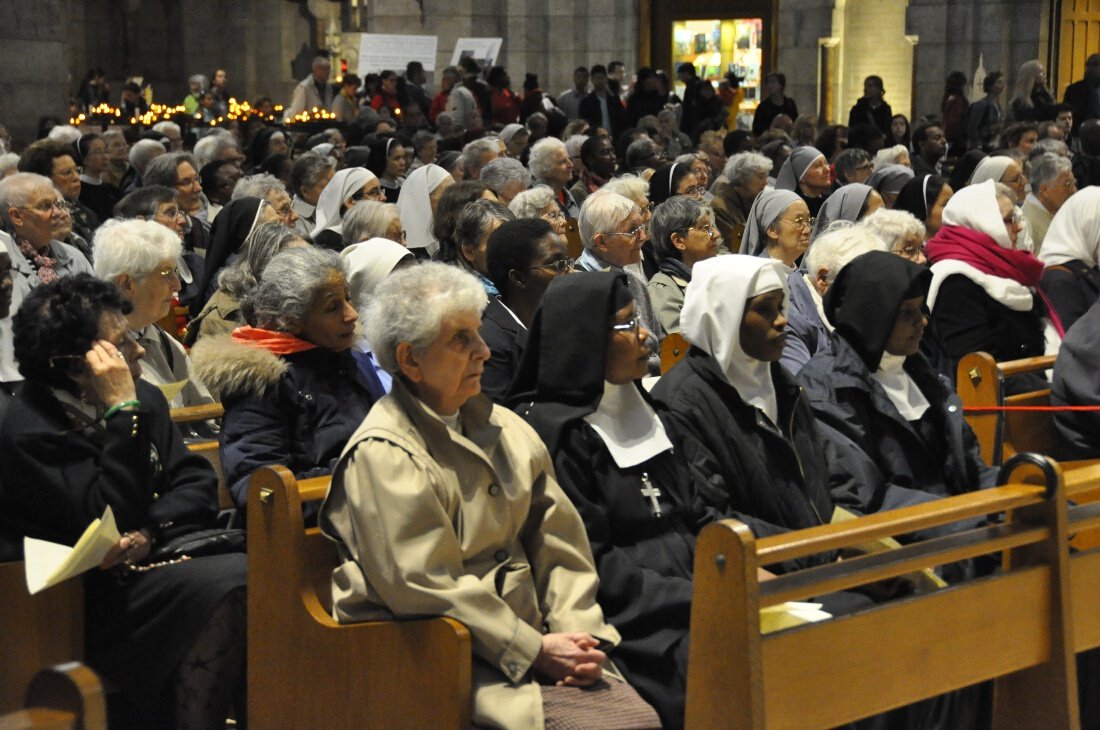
(879, 394)
(627, 471)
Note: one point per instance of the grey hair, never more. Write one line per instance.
(1003, 191)
(502, 171)
(1045, 168)
(741, 167)
(475, 218)
(630, 186)
(472, 152)
(1049, 146)
(8, 161)
(65, 133)
(203, 82)
(573, 144)
(603, 212)
(257, 186)
(540, 163)
(892, 226)
(143, 152)
(133, 247)
(290, 282)
(368, 219)
(209, 147)
(531, 203)
(164, 127)
(665, 114)
(689, 157)
(16, 190)
(840, 243)
(411, 303)
(678, 213)
(162, 170)
(638, 150)
(307, 170)
(889, 156)
(238, 279)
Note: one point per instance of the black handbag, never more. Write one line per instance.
(201, 543)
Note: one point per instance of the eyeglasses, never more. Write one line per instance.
(910, 252)
(171, 213)
(1012, 219)
(47, 208)
(698, 191)
(172, 273)
(801, 221)
(631, 326)
(555, 215)
(710, 229)
(636, 233)
(560, 266)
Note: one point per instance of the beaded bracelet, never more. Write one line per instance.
(119, 406)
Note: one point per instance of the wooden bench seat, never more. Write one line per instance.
(306, 669)
(830, 673)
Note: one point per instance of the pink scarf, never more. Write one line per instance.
(956, 243)
(43, 263)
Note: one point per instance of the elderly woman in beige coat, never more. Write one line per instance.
(446, 505)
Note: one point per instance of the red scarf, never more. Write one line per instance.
(956, 243)
(278, 343)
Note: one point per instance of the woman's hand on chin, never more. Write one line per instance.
(111, 378)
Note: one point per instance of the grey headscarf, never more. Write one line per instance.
(890, 179)
(765, 210)
(795, 167)
(843, 205)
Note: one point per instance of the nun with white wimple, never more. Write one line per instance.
(368, 263)
(417, 203)
(344, 190)
(1070, 253)
(731, 394)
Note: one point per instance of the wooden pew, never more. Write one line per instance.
(673, 349)
(574, 246)
(303, 664)
(64, 697)
(830, 673)
(208, 449)
(980, 383)
(38, 631)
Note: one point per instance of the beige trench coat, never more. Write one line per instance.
(474, 527)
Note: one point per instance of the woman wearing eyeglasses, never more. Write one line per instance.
(522, 256)
(683, 234)
(984, 294)
(672, 180)
(778, 227)
(344, 190)
(540, 202)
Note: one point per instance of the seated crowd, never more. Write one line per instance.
(455, 307)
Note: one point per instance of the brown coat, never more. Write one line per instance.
(730, 213)
(474, 527)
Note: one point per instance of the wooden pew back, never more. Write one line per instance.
(63, 697)
(38, 631)
(208, 449)
(1002, 435)
(897, 653)
(574, 246)
(673, 349)
(303, 664)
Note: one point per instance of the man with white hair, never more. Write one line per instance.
(1052, 183)
(314, 91)
(612, 230)
(807, 329)
(551, 166)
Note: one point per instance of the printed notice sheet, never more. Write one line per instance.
(48, 563)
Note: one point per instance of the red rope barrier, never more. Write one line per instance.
(978, 410)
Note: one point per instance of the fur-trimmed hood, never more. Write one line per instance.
(230, 368)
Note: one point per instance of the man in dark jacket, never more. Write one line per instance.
(871, 108)
(602, 108)
(1084, 95)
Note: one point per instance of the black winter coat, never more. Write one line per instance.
(296, 410)
(877, 459)
(56, 477)
(776, 477)
(1072, 288)
(1076, 384)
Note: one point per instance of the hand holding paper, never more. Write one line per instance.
(48, 563)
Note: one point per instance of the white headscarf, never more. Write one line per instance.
(975, 207)
(415, 206)
(342, 186)
(714, 305)
(368, 263)
(1074, 234)
(990, 168)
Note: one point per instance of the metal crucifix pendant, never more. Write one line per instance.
(648, 490)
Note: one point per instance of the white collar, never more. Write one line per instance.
(900, 387)
(628, 426)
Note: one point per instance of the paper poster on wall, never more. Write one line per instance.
(485, 50)
(382, 51)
